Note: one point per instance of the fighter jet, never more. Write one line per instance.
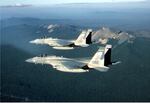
(83, 40)
(101, 61)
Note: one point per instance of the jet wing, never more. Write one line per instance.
(67, 65)
(53, 42)
(58, 42)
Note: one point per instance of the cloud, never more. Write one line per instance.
(104, 1)
(119, 1)
(9, 2)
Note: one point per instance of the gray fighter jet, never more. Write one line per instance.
(100, 61)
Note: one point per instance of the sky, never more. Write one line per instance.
(48, 2)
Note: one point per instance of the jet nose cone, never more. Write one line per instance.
(29, 60)
(33, 41)
(37, 41)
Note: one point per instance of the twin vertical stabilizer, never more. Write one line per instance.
(102, 58)
(84, 38)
